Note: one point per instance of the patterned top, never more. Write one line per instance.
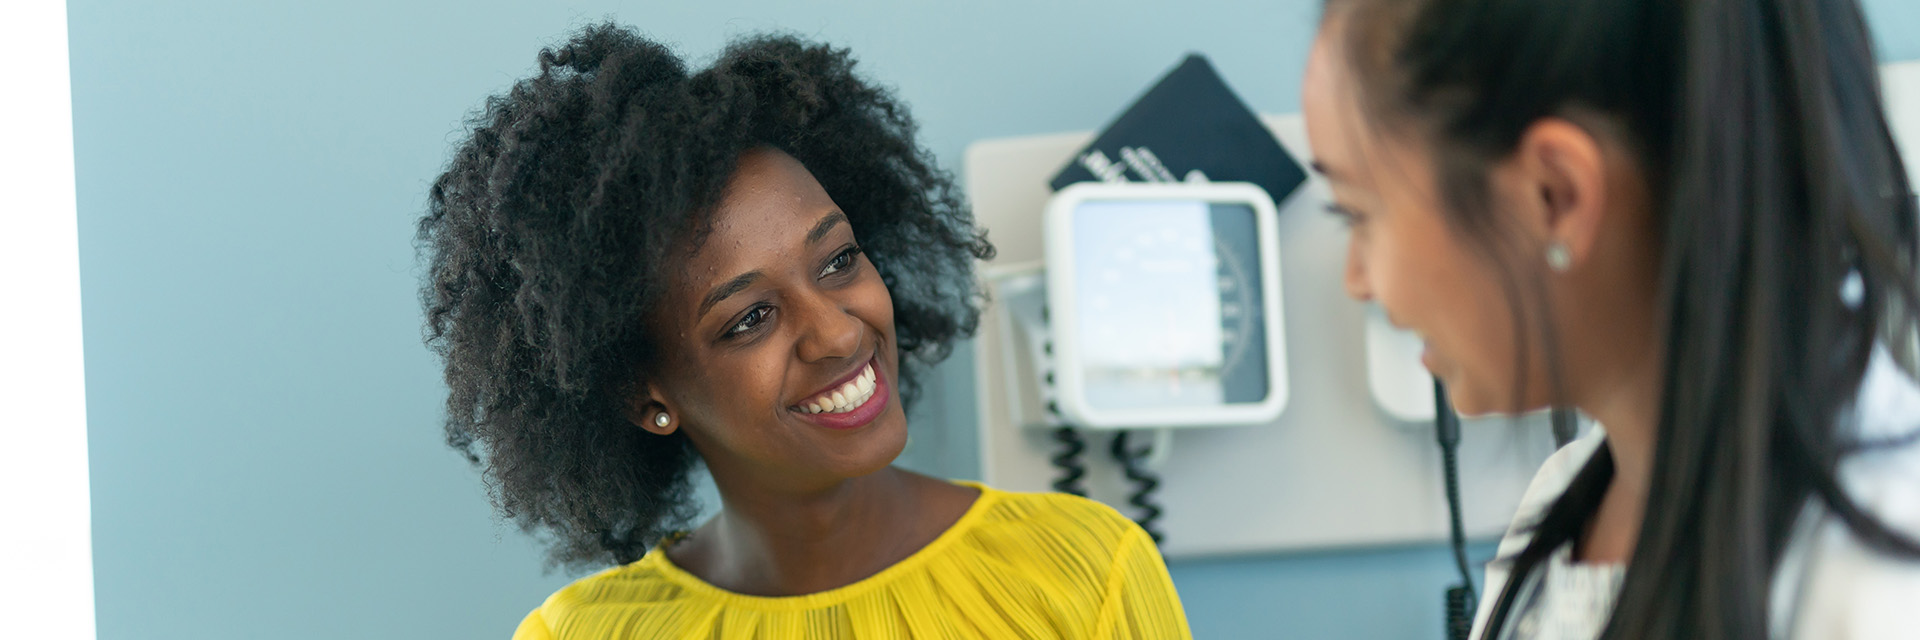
(1016, 565)
(1573, 600)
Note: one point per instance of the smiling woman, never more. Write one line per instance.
(635, 268)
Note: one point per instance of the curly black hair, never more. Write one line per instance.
(547, 233)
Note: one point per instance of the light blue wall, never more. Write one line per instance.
(265, 450)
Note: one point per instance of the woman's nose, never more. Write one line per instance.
(1355, 276)
(831, 331)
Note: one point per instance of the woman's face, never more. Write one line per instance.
(778, 338)
(1403, 255)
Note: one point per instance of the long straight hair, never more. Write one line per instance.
(1787, 239)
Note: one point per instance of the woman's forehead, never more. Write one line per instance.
(770, 201)
(772, 211)
(1329, 108)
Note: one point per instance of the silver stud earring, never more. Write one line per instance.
(1559, 257)
(661, 419)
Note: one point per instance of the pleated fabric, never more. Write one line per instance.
(1016, 565)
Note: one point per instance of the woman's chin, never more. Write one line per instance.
(1468, 403)
(878, 446)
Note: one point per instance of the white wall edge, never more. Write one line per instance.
(46, 547)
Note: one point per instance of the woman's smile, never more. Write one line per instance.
(851, 402)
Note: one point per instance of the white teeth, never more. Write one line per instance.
(854, 393)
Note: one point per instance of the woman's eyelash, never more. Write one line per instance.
(1347, 216)
(747, 322)
(757, 315)
(841, 260)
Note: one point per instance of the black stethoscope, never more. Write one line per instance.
(1461, 600)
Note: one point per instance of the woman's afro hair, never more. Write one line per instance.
(547, 233)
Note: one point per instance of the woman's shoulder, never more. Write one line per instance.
(1053, 507)
(1064, 545)
(1882, 475)
(1831, 583)
(630, 588)
(1062, 520)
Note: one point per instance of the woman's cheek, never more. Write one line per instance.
(877, 305)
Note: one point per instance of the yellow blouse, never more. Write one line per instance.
(1016, 565)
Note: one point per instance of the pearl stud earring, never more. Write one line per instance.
(661, 419)
(1559, 257)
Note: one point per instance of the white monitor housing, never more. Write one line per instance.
(1164, 305)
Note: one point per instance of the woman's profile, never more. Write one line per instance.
(640, 272)
(1687, 220)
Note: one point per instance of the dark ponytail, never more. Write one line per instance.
(1788, 247)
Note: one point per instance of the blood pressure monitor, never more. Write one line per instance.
(1165, 306)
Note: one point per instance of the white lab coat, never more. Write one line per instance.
(1829, 585)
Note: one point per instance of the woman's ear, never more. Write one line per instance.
(1562, 167)
(647, 409)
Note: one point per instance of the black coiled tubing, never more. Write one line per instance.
(1133, 463)
(1073, 473)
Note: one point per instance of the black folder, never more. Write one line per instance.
(1189, 122)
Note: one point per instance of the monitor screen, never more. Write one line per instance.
(1170, 308)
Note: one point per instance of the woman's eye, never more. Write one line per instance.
(1348, 217)
(840, 261)
(754, 317)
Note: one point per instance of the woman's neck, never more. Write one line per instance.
(774, 541)
(1631, 415)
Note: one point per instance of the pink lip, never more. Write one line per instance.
(860, 416)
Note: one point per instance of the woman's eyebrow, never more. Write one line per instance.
(1322, 169)
(736, 285)
(825, 225)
